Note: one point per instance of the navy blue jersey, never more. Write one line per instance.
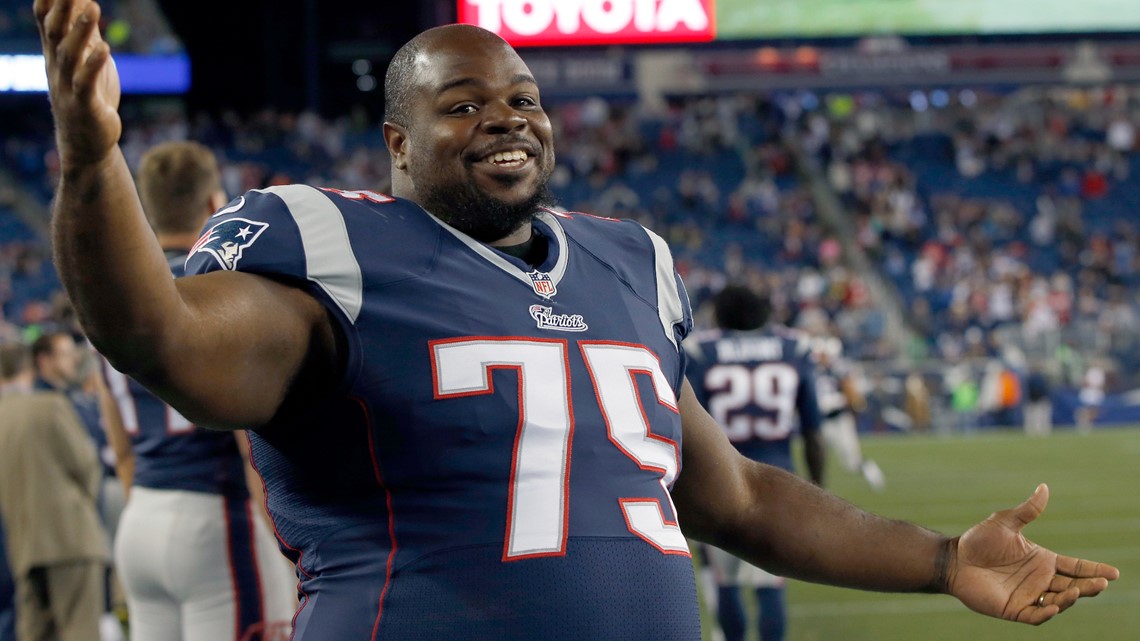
(496, 461)
(759, 386)
(170, 452)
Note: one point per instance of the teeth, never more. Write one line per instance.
(507, 157)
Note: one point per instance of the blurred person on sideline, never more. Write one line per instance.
(916, 401)
(1038, 403)
(418, 370)
(758, 383)
(840, 400)
(1090, 397)
(49, 484)
(63, 366)
(195, 553)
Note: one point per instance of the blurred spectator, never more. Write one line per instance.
(61, 366)
(1038, 403)
(1090, 397)
(49, 481)
(917, 401)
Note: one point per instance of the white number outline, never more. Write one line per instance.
(468, 358)
(475, 358)
(644, 516)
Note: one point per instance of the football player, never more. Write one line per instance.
(440, 461)
(758, 383)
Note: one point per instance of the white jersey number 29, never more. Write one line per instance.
(753, 402)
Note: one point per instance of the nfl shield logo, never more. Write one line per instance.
(543, 285)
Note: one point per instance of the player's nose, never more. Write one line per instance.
(498, 116)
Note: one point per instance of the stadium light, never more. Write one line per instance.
(24, 73)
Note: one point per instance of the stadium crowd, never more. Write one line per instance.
(996, 217)
(1004, 220)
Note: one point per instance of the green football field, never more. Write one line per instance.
(948, 483)
(815, 18)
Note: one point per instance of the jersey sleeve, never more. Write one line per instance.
(673, 306)
(293, 234)
(255, 233)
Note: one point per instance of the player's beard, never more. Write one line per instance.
(480, 215)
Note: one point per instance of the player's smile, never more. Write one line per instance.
(506, 161)
(506, 164)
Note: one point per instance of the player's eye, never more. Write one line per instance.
(463, 109)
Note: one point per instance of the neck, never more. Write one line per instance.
(519, 236)
(16, 385)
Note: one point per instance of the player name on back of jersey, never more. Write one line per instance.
(749, 348)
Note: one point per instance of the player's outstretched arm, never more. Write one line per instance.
(225, 349)
(793, 528)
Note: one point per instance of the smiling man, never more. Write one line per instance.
(470, 410)
(468, 136)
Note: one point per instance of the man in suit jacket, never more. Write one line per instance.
(49, 481)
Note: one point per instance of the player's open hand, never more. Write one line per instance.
(1001, 573)
(82, 80)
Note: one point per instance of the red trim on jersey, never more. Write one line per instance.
(647, 499)
(561, 551)
(391, 515)
(280, 539)
(633, 372)
(490, 383)
(490, 389)
(644, 419)
(514, 455)
(360, 194)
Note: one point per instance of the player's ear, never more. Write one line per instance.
(396, 137)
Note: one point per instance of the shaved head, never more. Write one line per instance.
(400, 79)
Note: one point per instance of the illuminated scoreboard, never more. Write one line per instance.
(593, 22)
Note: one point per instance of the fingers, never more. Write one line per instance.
(85, 78)
(58, 18)
(1080, 568)
(1086, 587)
(1034, 614)
(1061, 599)
(1062, 594)
(40, 9)
(72, 51)
(1030, 509)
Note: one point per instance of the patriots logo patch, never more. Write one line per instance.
(227, 240)
(543, 284)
